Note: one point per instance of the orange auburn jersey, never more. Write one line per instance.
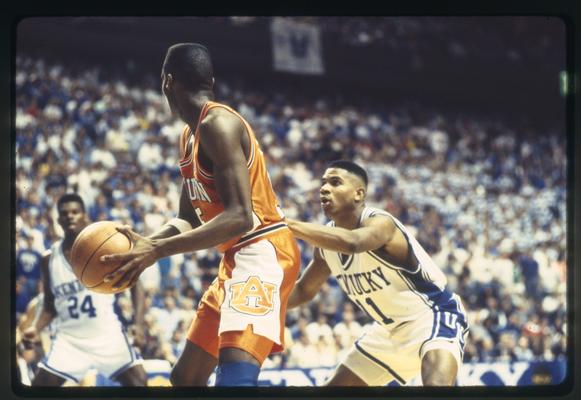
(266, 213)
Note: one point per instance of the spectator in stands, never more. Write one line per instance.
(493, 172)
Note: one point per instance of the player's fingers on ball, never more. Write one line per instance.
(109, 257)
(128, 279)
(116, 257)
(115, 274)
(118, 283)
(126, 273)
(108, 278)
(133, 280)
(126, 230)
(135, 277)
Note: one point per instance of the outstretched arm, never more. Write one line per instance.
(375, 233)
(310, 281)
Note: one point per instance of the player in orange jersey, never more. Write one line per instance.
(227, 201)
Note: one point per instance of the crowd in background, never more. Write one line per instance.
(485, 196)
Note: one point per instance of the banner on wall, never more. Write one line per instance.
(296, 47)
(477, 374)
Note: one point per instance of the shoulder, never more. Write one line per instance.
(370, 212)
(220, 119)
(374, 216)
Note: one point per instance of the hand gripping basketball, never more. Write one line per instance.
(142, 255)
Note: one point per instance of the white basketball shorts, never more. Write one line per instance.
(71, 357)
(382, 354)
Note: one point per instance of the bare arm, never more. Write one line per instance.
(310, 281)
(138, 301)
(221, 138)
(375, 233)
(27, 319)
(48, 311)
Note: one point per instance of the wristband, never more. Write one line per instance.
(180, 224)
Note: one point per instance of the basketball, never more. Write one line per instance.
(94, 241)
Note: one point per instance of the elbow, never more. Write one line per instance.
(247, 222)
(242, 221)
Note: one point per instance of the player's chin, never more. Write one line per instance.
(75, 228)
(327, 209)
(72, 229)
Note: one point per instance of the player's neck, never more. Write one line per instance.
(68, 241)
(193, 106)
(349, 220)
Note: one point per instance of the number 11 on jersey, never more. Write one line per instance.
(385, 320)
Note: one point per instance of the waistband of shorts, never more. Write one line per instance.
(259, 233)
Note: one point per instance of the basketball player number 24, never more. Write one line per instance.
(86, 307)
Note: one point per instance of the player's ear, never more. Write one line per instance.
(168, 81)
(360, 194)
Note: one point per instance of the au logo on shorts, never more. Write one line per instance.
(253, 296)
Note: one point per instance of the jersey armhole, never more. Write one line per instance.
(411, 258)
(184, 139)
(321, 253)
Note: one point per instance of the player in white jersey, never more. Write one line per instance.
(87, 332)
(420, 326)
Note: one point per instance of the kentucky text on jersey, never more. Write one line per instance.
(68, 288)
(363, 282)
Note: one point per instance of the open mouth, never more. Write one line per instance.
(325, 202)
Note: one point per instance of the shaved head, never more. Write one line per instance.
(351, 167)
(190, 65)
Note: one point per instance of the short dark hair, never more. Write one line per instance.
(70, 198)
(351, 167)
(190, 64)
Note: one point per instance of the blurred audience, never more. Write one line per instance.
(485, 196)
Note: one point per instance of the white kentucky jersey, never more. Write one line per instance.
(388, 291)
(80, 312)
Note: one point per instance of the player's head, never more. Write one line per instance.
(187, 69)
(71, 213)
(343, 188)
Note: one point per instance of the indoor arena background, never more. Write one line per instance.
(459, 121)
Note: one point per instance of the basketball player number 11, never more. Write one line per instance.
(370, 302)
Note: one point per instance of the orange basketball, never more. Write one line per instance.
(96, 240)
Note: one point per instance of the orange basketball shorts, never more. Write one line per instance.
(245, 306)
